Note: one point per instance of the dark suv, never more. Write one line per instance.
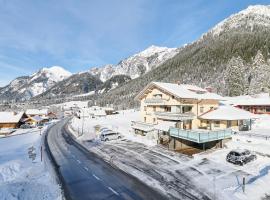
(240, 157)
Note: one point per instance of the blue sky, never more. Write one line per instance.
(79, 34)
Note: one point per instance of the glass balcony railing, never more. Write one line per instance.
(200, 136)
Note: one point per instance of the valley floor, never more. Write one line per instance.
(22, 178)
(204, 175)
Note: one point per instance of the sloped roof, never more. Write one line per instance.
(10, 117)
(182, 91)
(36, 112)
(228, 113)
(164, 126)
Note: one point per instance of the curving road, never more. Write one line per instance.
(85, 176)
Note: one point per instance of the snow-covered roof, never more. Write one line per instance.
(182, 91)
(36, 112)
(228, 113)
(261, 99)
(164, 126)
(253, 102)
(10, 117)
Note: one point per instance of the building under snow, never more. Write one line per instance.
(186, 116)
(257, 104)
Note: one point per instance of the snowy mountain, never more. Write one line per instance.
(27, 87)
(250, 18)
(137, 64)
(233, 58)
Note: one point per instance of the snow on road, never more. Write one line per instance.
(206, 174)
(20, 178)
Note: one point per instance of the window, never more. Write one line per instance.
(173, 97)
(167, 109)
(267, 109)
(158, 96)
(217, 124)
(201, 109)
(145, 108)
(154, 120)
(144, 119)
(154, 108)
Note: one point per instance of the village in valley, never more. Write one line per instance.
(179, 128)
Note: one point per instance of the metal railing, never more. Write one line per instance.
(200, 136)
(155, 101)
(175, 116)
(142, 126)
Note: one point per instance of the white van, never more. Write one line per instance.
(109, 135)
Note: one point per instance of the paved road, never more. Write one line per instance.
(89, 177)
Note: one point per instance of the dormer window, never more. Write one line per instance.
(158, 96)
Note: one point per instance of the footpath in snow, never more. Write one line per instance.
(205, 175)
(20, 176)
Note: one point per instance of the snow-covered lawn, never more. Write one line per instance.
(120, 123)
(20, 178)
(207, 173)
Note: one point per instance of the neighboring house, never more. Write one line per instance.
(91, 112)
(174, 111)
(257, 104)
(11, 119)
(37, 112)
(35, 120)
(52, 115)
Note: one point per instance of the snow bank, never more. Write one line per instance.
(20, 177)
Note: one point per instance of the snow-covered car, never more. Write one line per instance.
(109, 135)
(26, 126)
(240, 156)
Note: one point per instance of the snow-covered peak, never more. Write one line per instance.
(54, 73)
(153, 50)
(248, 18)
(257, 9)
(137, 64)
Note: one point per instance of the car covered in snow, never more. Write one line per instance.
(107, 135)
(240, 156)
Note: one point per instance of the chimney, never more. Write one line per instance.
(178, 82)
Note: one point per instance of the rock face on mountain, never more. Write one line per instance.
(57, 82)
(26, 87)
(76, 84)
(233, 58)
(137, 64)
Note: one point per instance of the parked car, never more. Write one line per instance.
(109, 135)
(240, 156)
(26, 126)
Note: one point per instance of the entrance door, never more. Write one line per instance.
(229, 124)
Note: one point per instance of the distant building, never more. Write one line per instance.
(37, 112)
(257, 104)
(11, 119)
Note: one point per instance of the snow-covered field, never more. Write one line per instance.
(22, 178)
(207, 173)
(120, 123)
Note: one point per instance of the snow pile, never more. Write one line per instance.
(120, 122)
(229, 182)
(20, 177)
